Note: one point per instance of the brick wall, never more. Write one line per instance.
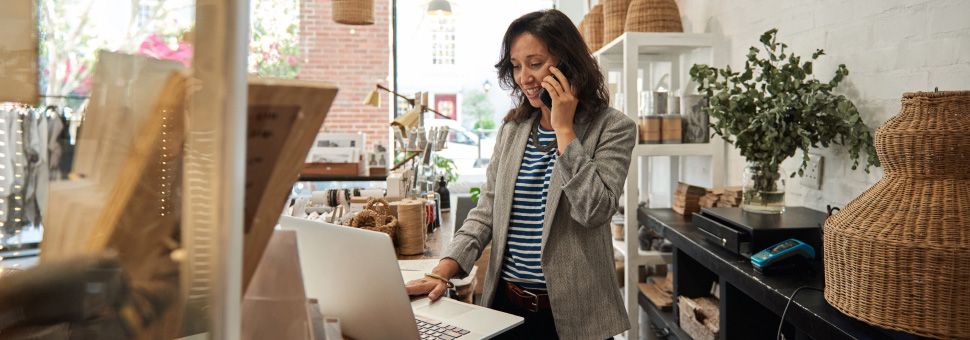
(352, 57)
(889, 47)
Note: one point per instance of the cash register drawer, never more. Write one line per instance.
(724, 236)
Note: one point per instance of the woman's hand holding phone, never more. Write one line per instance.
(562, 97)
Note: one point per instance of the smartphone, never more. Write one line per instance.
(544, 96)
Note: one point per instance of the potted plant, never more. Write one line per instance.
(774, 107)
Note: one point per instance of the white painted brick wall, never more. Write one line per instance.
(889, 46)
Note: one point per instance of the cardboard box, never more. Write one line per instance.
(699, 317)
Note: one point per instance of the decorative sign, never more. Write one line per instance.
(447, 104)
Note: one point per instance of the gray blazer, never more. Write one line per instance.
(577, 251)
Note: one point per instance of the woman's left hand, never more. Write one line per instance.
(564, 100)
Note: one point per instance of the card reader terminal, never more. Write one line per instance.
(781, 253)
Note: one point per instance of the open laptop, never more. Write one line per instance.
(354, 274)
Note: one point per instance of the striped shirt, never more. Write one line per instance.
(522, 256)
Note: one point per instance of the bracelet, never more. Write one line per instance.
(440, 278)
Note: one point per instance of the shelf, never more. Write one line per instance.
(661, 319)
(642, 58)
(656, 43)
(750, 297)
(643, 257)
(684, 149)
(314, 178)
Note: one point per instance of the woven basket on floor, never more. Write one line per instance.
(353, 12)
(614, 18)
(653, 16)
(594, 24)
(898, 256)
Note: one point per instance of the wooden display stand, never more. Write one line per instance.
(284, 118)
(18, 52)
(275, 305)
(117, 179)
(123, 196)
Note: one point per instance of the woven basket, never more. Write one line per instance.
(653, 16)
(353, 12)
(614, 18)
(594, 25)
(898, 256)
(376, 216)
(583, 32)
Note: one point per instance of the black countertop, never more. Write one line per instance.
(809, 311)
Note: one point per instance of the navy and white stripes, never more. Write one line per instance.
(522, 256)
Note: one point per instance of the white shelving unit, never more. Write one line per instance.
(635, 56)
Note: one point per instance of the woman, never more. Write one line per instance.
(551, 188)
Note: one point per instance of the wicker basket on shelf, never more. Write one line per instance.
(353, 12)
(614, 18)
(898, 256)
(653, 16)
(584, 32)
(594, 27)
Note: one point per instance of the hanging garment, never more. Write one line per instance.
(34, 127)
(13, 163)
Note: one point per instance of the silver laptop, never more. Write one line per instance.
(354, 274)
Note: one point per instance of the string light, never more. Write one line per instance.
(164, 156)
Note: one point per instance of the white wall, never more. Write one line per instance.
(889, 47)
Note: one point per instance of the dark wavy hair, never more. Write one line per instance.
(563, 40)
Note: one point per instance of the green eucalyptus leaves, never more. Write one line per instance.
(775, 106)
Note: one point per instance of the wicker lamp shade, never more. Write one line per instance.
(614, 18)
(898, 256)
(594, 26)
(353, 12)
(653, 16)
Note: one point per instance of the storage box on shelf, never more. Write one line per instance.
(747, 300)
(628, 56)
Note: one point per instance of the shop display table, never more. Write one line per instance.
(751, 304)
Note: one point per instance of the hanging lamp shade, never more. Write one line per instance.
(373, 98)
(407, 120)
(353, 12)
(439, 7)
(898, 256)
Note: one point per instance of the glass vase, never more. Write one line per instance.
(763, 189)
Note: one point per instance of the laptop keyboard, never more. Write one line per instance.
(433, 329)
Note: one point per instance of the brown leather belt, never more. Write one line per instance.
(529, 300)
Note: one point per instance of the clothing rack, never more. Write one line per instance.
(64, 97)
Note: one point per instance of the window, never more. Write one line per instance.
(452, 57)
(443, 40)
